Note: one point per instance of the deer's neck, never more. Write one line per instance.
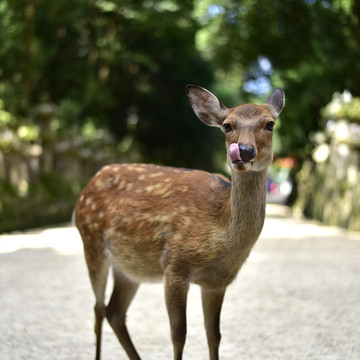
(247, 206)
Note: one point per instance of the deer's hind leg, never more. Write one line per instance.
(98, 267)
(123, 293)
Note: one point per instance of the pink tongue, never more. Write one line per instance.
(234, 152)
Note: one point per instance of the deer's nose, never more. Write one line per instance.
(247, 153)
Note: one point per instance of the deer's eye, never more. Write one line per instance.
(270, 126)
(227, 127)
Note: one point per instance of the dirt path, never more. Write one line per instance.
(297, 297)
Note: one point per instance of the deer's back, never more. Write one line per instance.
(146, 217)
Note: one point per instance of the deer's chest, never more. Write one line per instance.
(220, 271)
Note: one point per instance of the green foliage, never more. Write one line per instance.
(122, 65)
(102, 60)
(71, 68)
(329, 186)
(343, 106)
(50, 201)
(328, 199)
(105, 59)
(6, 118)
(312, 46)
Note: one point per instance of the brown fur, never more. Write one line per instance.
(189, 226)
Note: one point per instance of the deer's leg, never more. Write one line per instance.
(98, 272)
(123, 293)
(176, 290)
(212, 301)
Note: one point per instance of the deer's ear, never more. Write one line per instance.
(277, 100)
(206, 105)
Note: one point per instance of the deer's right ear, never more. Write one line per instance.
(206, 105)
(277, 100)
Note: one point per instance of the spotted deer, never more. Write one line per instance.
(149, 222)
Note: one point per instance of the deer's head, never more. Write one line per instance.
(248, 128)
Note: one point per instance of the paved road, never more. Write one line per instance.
(297, 297)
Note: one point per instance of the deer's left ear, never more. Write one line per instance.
(277, 100)
(206, 105)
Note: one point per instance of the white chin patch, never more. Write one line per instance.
(241, 166)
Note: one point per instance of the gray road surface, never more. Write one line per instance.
(297, 297)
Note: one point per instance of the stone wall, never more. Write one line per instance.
(44, 165)
(329, 185)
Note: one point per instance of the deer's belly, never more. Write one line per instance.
(139, 260)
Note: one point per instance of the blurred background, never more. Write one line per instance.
(84, 83)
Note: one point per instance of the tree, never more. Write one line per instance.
(108, 61)
(312, 46)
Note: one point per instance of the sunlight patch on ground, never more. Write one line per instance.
(65, 240)
(278, 225)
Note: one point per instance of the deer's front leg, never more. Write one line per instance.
(176, 289)
(212, 301)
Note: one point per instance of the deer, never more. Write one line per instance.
(149, 223)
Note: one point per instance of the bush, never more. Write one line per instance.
(49, 201)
